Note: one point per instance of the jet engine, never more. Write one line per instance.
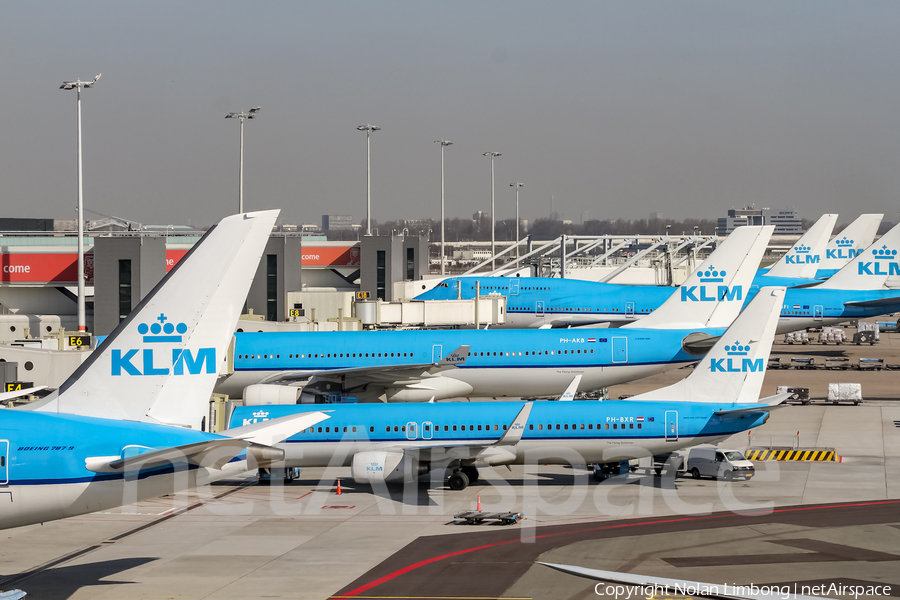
(261, 394)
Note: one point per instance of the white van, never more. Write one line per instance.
(715, 463)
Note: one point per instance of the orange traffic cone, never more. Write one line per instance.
(339, 492)
(478, 508)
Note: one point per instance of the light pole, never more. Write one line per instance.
(493, 155)
(518, 186)
(78, 85)
(251, 114)
(368, 129)
(444, 144)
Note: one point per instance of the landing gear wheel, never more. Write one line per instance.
(471, 473)
(458, 481)
(695, 473)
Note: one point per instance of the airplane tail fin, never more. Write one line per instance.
(805, 257)
(733, 371)
(714, 294)
(160, 364)
(871, 269)
(855, 238)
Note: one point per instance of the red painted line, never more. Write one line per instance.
(422, 563)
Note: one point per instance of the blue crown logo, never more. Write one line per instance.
(260, 414)
(884, 253)
(737, 349)
(711, 275)
(844, 242)
(162, 332)
(802, 249)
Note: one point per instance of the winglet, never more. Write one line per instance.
(515, 431)
(569, 394)
(273, 431)
(455, 358)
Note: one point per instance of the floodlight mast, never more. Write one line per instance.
(518, 186)
(78, 85)
(444, 144)
(368, 129)
(250, 114)
(493, 155)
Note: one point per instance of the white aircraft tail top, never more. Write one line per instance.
(855, 238)
(714, 294)
(805, 257)
(733, 371)
(160, 364)
(875, 268)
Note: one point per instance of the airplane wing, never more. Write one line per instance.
(393, 374)
(875, 303)
(12, 595)
(13, 395)
(676, 586)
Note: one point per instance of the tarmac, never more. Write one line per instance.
(826, 522)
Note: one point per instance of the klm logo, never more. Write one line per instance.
(258, 417)
(736, 361)
(801, 256)
(844, 250)
(884, 263)
(711, 293)
(153, 361)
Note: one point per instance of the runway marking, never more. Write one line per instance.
(417, 565)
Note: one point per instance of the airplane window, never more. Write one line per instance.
(552, 351)
(327, 430)
(592, 350)
(639, 426)
(392, 355)
(531, 426)
(507, 353)
(277, 356)
(454, 428)
(320, 430)
(396, 429)
(631, 426)
(520, 354)
(557, 426)
(504, 428)
(372, 429)
(353, 429)
(496, 428)
(428, 428)
(582, 425)
(607, 426)
(615, 426)
(388, 429)
(479, 428)
(345, 430)
(403, 428)
(566, 426)
(591, 426)
(265, 356)
(302, 356)
(447, 428)
(540, 426)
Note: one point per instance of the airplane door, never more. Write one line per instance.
(437, 353)
(629, 309)
(514, 287)
(4, 462)
(817, 313)
(427, 432)
(671, 425)
(411, 431)
(539, 308)
(620, 349)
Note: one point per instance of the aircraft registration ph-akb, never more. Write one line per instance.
(411, 366)
(384, 443)
(126, 425)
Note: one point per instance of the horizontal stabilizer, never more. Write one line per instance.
(765, 405)
(875, 303)
(194, 454)
(13, 395)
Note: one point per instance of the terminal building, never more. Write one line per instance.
(786, 222)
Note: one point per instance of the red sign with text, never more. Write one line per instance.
(330, 256)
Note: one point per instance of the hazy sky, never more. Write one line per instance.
(618, 108)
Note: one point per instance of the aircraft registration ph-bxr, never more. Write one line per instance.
(409, 366)
(384, 443)
(865, 287)
(125, 426)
